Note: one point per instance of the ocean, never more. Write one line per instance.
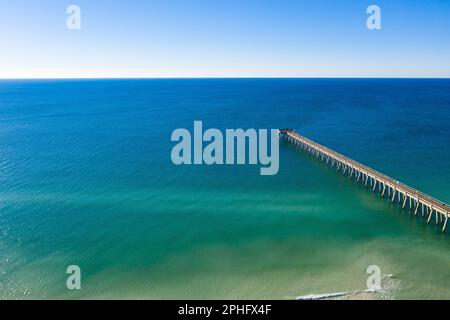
(86, 179)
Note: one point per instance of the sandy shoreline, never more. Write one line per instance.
(389, 288)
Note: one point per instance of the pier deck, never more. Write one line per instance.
(406, 196)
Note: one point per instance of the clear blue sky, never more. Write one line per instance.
(224, 38)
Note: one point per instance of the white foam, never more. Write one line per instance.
(390, 288)
(322, 296)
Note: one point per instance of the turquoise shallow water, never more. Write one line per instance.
(86, 179)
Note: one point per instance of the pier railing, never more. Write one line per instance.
(405, 195)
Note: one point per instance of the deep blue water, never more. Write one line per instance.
(86, 178)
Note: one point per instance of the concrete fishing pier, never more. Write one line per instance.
(409, 198)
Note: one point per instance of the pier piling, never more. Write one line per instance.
(362, 173)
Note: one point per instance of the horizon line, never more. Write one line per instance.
(220, 77)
